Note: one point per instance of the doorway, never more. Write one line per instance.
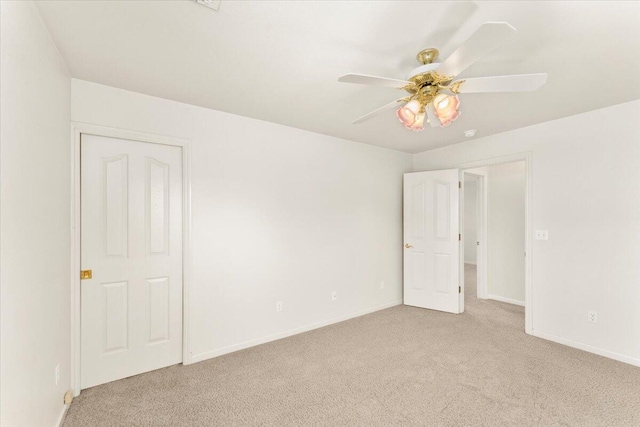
(473, 229)
(433, 216)
(494, 224)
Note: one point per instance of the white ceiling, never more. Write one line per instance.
(279, 61)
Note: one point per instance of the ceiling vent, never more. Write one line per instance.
(211, 4)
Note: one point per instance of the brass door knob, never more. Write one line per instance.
(406, 245)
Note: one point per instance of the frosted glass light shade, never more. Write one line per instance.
(446, 108)
(411, 115)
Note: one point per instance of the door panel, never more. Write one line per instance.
(115, 204)
(431, 260)
(158, 309)
(442, 210)
(131, 239)
(115, 316)
(157, 206)
(418, 267)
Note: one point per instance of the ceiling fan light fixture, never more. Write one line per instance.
(411, 115)
(426, 84)
(446, 108)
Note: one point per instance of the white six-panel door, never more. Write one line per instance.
(431, 247)
(131, 239)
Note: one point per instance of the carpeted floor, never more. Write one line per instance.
(402, 366)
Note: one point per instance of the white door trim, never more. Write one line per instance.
(77, 129)
(528, 265)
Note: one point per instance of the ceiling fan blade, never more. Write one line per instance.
(518, 83)
(434, 121)
(389, 106)
(486, 38)
(363, 79)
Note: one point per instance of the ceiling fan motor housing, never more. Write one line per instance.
(423, 69)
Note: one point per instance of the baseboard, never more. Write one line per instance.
(251, 343)
(62, 416)
(503, 299)
(588, 348)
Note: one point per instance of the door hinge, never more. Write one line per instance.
(459, 184)
(459, 237)
(459, 289)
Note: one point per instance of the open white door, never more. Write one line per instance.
(431, 240)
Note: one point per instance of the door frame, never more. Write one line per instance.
(528, 263)
(78, 129)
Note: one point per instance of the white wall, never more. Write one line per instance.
(34, 220)
(470, 213)
(279, 214)
(586, 193)
(506, 184)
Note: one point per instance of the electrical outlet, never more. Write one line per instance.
(279, 306)
(212, 4)
(57, 373)
(382, 284)
(592, 317)
(334, 296)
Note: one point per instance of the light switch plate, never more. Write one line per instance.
(542, 235)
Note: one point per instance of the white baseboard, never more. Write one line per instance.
(251, 343)
(507, 300)
(62, 416)
(588, 348)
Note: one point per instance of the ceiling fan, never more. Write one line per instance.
(432, 90)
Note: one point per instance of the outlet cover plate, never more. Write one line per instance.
(211, 4)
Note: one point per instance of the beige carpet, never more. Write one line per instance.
(402, 366)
